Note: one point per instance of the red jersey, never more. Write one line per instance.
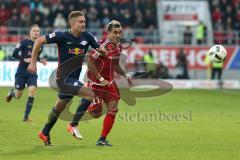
(105, 64)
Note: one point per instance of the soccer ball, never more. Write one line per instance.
(217, 53)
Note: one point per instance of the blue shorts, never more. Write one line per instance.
(70, 88)
(23, 78)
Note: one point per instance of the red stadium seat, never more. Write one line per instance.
(3, 30)
(15, 38)
(139, 40)
(3, 39)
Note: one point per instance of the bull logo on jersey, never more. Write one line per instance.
(76, 51)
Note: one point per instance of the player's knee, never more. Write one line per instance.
(113, 110)
(87, 93)
(96, 115)
(61, 104)
(91, 95)
(90, 99)
(32, 92)
(63, 101)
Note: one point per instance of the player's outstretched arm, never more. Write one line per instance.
(120, 71)
(16, 54)
(35, 53)
(102, 51)
(93, 69)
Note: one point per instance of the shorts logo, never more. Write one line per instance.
(75, 84)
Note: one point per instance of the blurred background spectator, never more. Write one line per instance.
(59, 22)
(139, 16)
(182, 65)
(149, 65)
(214, 70)
(187, 35)
(201, 33)
(43, 12)
(2, 54)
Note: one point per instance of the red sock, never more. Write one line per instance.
(107, 124)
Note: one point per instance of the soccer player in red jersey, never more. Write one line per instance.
(101, 71)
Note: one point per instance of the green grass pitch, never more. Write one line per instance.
(181, 125)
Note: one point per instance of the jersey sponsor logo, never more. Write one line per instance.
(83, 43)
(76, 51)
(29, 46)
(17, 86)
(51, 35)
(69, 42)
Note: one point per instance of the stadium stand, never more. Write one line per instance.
(53, 14)
(16, 15)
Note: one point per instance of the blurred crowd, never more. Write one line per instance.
(226, 19)
(133, 14)
(53, 13)
(146, 66)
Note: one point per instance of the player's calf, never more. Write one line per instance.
(107, 126)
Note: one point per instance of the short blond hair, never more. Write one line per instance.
(74, 14)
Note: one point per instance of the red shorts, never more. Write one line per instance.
(106, 93)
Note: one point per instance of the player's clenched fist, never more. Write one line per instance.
(102, 51)
(32, 68)
(103, 82)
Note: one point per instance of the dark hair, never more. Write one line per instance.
(113, 24)
(74, 14)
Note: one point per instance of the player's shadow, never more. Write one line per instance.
(47, 150)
